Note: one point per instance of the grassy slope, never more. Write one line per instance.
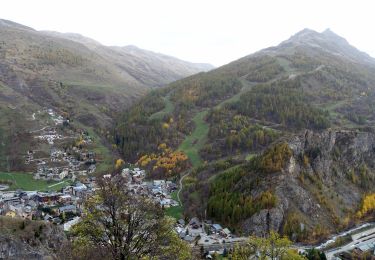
(194, 142)
(26, 182)
(191, 146)
(175, 212)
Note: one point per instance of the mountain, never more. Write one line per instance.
(149, 68)
(76, 76)
(281, 139)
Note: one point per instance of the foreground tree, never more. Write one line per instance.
(273, 247)
(127, 226)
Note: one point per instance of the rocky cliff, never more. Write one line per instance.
(31, 240)
(321, 186)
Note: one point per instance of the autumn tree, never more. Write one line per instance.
(126, 226)
(119, 163)
(368, 205)
(165, 163)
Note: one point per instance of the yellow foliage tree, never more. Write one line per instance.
(162, 146)
(368, 205)
(119, 163)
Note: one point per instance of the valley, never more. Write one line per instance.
(281, 140)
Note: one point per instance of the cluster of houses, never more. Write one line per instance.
(62, 163)
(207, 236)
(158, 190)
(61, 208)
(57, 119)
(68, 165)
(211, 237)
(49, 134)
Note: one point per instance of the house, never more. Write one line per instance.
(46, 197)
(67, 208)
(91, 168)
(225, 232)
(56, 220)
(216, 228)
(79, 187)
(63, 174)
(366, 247)
(166, 203)
(47, 217)
(68, 225)
(65, 198)
(158, 183)
(195, 223)
(189, 238)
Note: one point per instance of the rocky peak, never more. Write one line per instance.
(327, 41)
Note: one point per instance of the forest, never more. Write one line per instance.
(282, 102)
(230, 200)
(235, 133)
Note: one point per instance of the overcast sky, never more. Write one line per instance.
(214, 31)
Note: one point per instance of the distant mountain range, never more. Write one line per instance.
(146, 67)
(76, 75)
(281, 139)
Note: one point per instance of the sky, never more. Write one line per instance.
(215, 32)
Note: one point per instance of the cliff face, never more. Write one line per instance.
(323, 182)
(21, 239)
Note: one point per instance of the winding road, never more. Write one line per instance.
(180, 189)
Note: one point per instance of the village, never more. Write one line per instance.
(61, 208)
(207, 236)
(67, 158)
(65, 207)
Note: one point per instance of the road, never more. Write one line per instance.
(361, 238)
(365, 236)
(180, 189)
(39, 130)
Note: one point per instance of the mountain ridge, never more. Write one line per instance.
(238, 125)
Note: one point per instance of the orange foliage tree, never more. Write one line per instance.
(166, 163)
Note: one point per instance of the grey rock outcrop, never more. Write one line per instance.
(322, 180)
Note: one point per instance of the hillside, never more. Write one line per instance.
(26, 239)
(76, 76)
(291, 121)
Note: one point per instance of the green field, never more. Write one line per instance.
(175, 212)
(25, 181)
(194, 142)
